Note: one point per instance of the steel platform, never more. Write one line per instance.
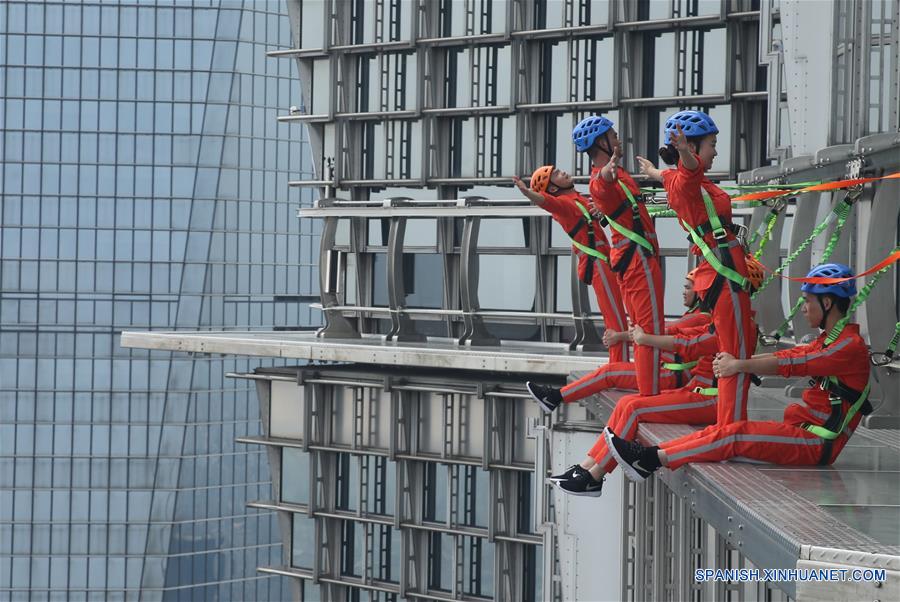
(537, 358)
(847, 514)
(781, 517)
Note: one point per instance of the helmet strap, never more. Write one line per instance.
(825, 312)
(559, 189)
(606, 147)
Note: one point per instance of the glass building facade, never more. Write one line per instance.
(144, 186)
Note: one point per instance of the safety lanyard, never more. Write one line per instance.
(860, 298)
(719, 233)
(764, 233)
(842, 208)
(630, 235)
(842, 211)
(883, 359)
(588, 218)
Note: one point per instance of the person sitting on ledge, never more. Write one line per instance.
(693, 403)
(811, 433)
(623, 375)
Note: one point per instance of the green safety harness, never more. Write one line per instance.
(838, 392)
(713, 391)
(636, 236)
(679, 368)
(724, 267)
(588, 222)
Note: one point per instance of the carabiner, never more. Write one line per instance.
(767, 340)
(880, 359)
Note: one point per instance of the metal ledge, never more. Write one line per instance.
(758, 507)
(435, 353)
(878, 151)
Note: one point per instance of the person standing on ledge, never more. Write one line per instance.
(704, 211)
(634, 256)
(553, 190)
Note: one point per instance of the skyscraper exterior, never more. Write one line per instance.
(144, 186)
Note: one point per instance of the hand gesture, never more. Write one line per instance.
(648, 169)
(724, 365)
(520, 185)
(679, 140)
(534, 197)
(609, 170)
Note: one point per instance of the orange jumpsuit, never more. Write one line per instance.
(609, 297)
(622, 375)
(677, 406)
(731, 313)
(787, 442)
(638, 271)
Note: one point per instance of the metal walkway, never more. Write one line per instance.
(785, 517)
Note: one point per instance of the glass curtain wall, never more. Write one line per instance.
(144, 186)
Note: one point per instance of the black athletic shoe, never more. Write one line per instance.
(548, 397)
(569, 473)
(637, 461)
(582, 484)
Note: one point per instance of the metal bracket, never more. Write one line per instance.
(854, 167)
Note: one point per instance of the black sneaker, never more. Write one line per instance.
(637, 461)
(569, 473)
(581, 484)
(548, 397)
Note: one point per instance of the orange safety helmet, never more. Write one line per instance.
(755, 273)
(692, 275)
(540, 179)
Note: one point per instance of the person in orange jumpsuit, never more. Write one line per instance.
(634, 256)
(623, 375)
(694, 403)
(811, 433)
(553, 190)
(704, 210)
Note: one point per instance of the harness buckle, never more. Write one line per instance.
(720, 233)
(741, 235)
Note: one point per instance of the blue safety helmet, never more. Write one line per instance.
(588, 130)
(844, 289)
(693, 123)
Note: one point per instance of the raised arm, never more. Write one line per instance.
(535, 197)
(648, 169)
(608, 172)
(688, 159)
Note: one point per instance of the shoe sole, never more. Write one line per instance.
(627, 468)
(547, 409)
(597, 493)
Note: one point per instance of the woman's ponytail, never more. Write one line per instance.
(668, 154)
